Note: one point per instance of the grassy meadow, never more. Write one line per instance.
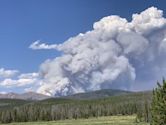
(110, 120)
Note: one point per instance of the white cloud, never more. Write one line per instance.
(7, 73)
(36, 46)
(21, 80)
(3, 92)
(28, 75)
(114, 54)
(29, 89)
(16, 83)
(148, 21)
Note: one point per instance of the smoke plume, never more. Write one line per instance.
(115, 54)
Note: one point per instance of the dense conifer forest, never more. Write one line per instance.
(61, 108)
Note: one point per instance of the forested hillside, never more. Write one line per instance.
(61, 108)
(98, 94)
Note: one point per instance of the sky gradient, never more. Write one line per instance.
(53, 22)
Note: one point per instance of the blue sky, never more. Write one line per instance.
(53, 22)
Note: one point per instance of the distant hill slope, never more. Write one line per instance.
(98, 94)
(11, 103)
(137, 98)
(24, 96)
(89, 95)
(133, 97)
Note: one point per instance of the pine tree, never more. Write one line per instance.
(158, 107)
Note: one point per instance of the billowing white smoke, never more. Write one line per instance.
(115, 54)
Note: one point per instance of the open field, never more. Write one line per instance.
(113, 120)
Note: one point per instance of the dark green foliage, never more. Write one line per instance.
(60, 108)
(98, 94)
(143, 113)
(158, 109)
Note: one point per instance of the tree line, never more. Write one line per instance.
(148, 108)
(155, 112)
(54, 109)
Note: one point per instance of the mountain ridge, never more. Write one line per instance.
(103, 93)
(24, 96)
(98, 94)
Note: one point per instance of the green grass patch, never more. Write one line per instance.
(110, 120)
